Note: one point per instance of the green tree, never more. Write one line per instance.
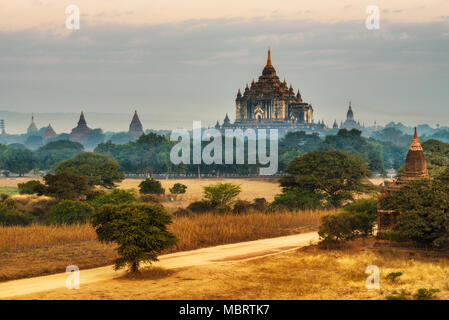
(222, 195)
(422, 211)
(352, 142)
(116, 196)
(335, 174)
(18, 161)
(30, 187)
(139, 229)
(70, 212)
(66, 185)
(151, 186)
(298, 199)
(101, 170)
(55, 152)
(178, 188)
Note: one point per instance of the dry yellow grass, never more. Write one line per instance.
(309, 273)
(251, 188)
(38, 249)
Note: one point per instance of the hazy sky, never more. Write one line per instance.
(187, 59)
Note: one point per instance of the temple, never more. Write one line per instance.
(32, 128)
(271, 104)
(135, 127)
(350, 122)
(415, 169)
(49, 134)
(79, 133)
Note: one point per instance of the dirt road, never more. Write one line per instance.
(218, 254)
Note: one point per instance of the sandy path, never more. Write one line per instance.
(223, 253)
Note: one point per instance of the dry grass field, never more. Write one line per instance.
(308, 273)
(251, 188)
(38, 250)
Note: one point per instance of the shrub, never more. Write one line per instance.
(298, 198)
(95, 193)
(201, 206)
(338, 227)
(222, 195)
(30, 187)
(10, 216)
(139, 229)
(425, 294)
(39, 206)
(242, 206)
(393, 276)
(116, 196)
(70, 212)
(368, 206)
(4, 196)
(151, 186)
(260, 204)
(178, 188)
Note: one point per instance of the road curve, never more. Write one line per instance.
(219, 254)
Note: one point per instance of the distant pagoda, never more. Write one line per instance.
(49, 133)
(415, 169)
(32, 128)
(135, 127)
(80, 132)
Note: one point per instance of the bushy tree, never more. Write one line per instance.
(334, 174)
(178, 188)
(101, 170)
(17, 160)
(70, 212)
(116, 196)
(422, 211)
(11, 216)
(30, 187)
(222, 195)
(66, 185)
(299, 199)
(151, 186)
(55, 152)
(139, 229)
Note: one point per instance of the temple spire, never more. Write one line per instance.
(416, 145)
(269, 59)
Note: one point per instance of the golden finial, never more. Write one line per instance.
(269, 58)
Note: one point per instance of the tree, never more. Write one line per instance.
(422, 211)
(66, 185)
(298, 199)
(101, 170)
(30, 187)
(70, 212)
(178, 188)
(55, 152)
(139, 229)
(151, 186)
(352, 142)
(335, 174)
(116, 196)
(17, 160)
(222, 195)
